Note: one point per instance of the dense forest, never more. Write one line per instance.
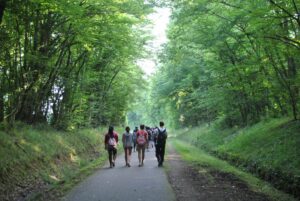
(226, 84)
(232, 61)
(73, 63)
(70, 63)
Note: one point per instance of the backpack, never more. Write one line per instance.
(141, 139)
(112, 141)
(161, 137)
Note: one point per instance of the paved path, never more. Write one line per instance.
(122, 183)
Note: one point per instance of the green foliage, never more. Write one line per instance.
(233, 60)
(70, 63)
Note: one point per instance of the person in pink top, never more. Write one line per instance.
(111, 142)
(141, 141)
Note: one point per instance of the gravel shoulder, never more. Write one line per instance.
(197, 183)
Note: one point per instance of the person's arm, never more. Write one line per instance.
(146, 133)
(123, 138)
(137, 135)
(106, 142)
(131, 135)
(116, 137)
(155, 135)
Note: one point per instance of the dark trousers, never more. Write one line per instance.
(112, 153)
(160, 152)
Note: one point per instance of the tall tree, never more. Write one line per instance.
(232, 60)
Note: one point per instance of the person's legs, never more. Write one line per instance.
(126, 155)
(139, 150)
(162, 153)
(109, 150)
(114, 150)
(143, 154)
(157, 152)
(129, 155)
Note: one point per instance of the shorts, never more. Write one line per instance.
(112, 149)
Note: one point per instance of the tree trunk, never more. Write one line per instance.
(2, 8)
(1, 107)
(294, 90)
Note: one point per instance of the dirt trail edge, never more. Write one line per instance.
(191, 184)
(122, 183)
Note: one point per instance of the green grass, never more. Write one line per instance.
(28, 154)
(198, 157)
(269, 149)
(272, 143)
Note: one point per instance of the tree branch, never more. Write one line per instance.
(285, 11)
(285, 40)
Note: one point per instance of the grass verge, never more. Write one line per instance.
(198, 157)
(38, 161)
(269, 149)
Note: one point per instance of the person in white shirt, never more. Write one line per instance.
(127, 140)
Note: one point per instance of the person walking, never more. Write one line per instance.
(148, 130)
(134, 138)
(111, 142)
(160, 143)
(141, 140)
(127, 140)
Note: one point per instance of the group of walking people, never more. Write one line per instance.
(140, 140)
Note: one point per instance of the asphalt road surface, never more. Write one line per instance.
(125, 183)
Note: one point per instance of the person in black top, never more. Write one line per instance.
(160, 143)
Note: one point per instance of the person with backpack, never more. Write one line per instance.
(160, 143)
(127, 140)
(134, 138)
(111, 142)
(141, 140)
